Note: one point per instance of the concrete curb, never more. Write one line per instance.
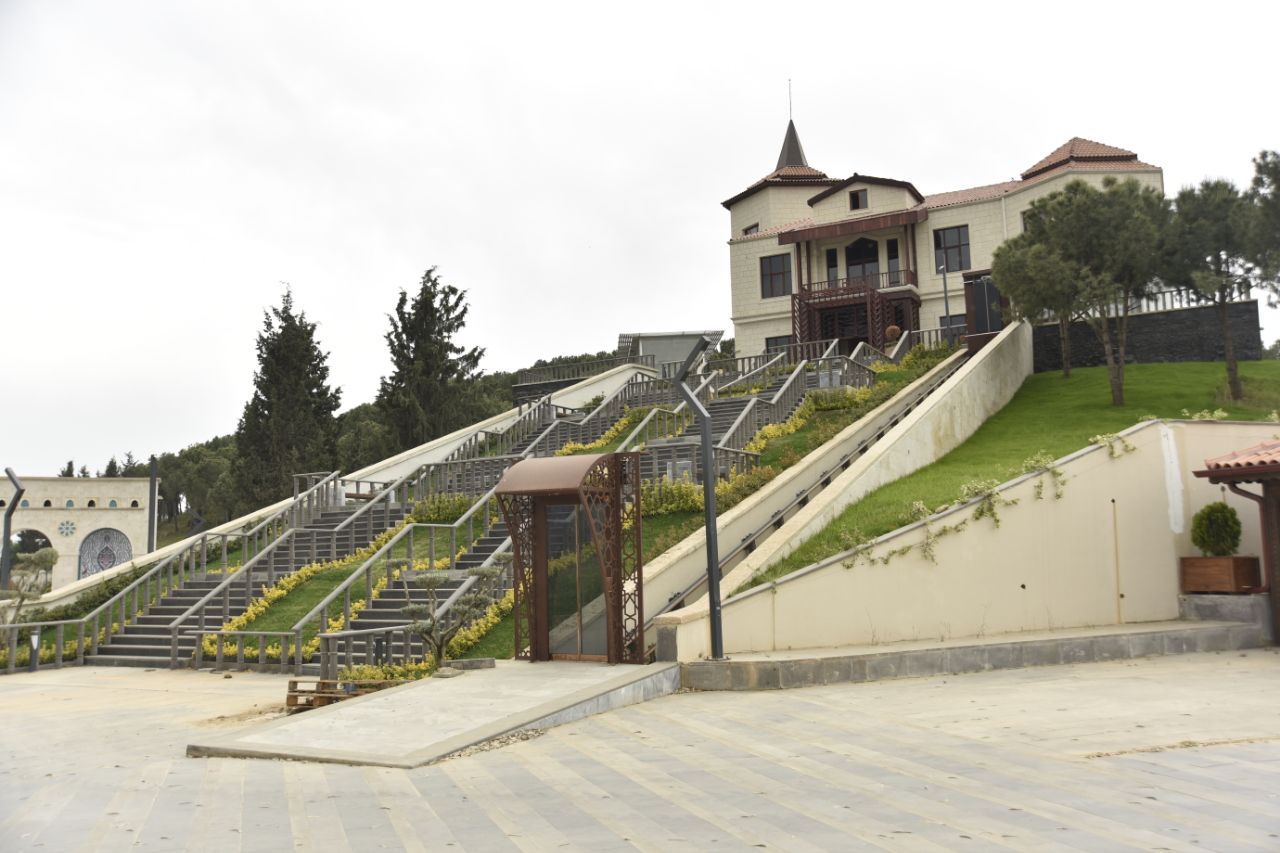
(639, 684)
(808, 668)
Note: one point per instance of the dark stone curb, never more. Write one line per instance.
(976, 657)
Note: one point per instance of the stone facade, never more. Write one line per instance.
(94, 523)
(1189, 334)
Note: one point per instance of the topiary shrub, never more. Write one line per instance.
(1215, 530)
(892, 333)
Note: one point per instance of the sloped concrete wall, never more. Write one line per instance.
(1105, 553)
(943, 422)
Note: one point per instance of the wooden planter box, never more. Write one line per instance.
(1220, 574)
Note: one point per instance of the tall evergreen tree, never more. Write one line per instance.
(1209, 233)
(426, 394)
(288, 424)
(112, 469)
(68, 470)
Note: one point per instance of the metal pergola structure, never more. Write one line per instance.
(605, 488)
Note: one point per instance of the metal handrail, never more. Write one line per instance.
(140, 594)
(748, 543)
(702, 392)
(579, 370)
(746, 376)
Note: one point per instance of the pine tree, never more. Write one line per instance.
(288, 424)
(426, 395)
(68, 470)
(112, 469)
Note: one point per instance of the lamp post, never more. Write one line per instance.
(708, 496)
(6, 547)
(946, 302)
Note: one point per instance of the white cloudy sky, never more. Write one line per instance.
(166, 166)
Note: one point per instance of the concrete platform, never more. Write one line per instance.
(855, 664)
(422, 722)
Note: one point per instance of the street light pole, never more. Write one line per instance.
(708, 496)
(946, 302)
(6, 547)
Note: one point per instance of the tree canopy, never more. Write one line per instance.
(1107, 243)
(426, 394)
(288, 425)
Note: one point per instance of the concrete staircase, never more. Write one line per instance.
(146, 641)
(386, 611)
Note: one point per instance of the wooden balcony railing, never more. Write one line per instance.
(878, 281)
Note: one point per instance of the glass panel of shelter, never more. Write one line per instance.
(575, 586)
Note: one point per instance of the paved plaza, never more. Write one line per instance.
(1175, 753)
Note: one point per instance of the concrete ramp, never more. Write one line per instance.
(423, 722)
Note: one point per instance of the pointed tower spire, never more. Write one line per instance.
(792, 153)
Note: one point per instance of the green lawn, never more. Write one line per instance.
(1048, 414)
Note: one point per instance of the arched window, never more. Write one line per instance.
(70, 504)
(112, 505)
(25, 503)
(92, 504)
(2, 502)
(133, 504)
(46, 503)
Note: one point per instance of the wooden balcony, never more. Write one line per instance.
(878, 281)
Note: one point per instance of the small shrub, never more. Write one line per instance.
(1215, 530)
(441, 508)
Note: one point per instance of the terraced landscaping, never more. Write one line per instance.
(1048, 414)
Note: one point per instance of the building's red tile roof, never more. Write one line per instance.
(777, 229)
(1075, 155)
(1265, 454)
(1079, 150)
(972, 194)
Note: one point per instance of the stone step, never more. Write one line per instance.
(128, 660)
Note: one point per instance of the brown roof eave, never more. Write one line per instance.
(1242, 474)
(854, 226)
(867, 179)
(756, 187)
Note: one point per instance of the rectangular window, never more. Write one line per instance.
(751, 229)
(891, 249)
(955, 321)
(858, 200)
(778, 343)
(775, 276)
(833, 264)
(951, 247)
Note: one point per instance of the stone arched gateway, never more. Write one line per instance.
(103, 549)
(67, 510)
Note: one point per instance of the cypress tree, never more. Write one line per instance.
(426, 395)
(288, 425)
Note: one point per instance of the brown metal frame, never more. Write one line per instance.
(611, 484)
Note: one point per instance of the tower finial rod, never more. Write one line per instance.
(789, 116)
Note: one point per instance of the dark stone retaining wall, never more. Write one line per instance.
(1188, 334)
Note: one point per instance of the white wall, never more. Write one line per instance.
(1105, 553)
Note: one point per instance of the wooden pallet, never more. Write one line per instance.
(307, 693)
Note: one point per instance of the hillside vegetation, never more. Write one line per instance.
(1048, 414)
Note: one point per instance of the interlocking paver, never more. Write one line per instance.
(1056, 758)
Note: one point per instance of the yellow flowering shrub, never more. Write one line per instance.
(625, 424)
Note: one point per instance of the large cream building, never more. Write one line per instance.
(815, 258)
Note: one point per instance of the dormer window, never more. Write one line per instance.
(858, 200)
(751, 229)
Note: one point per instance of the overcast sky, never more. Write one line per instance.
(165, 167)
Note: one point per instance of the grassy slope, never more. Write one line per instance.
(1048, 414)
